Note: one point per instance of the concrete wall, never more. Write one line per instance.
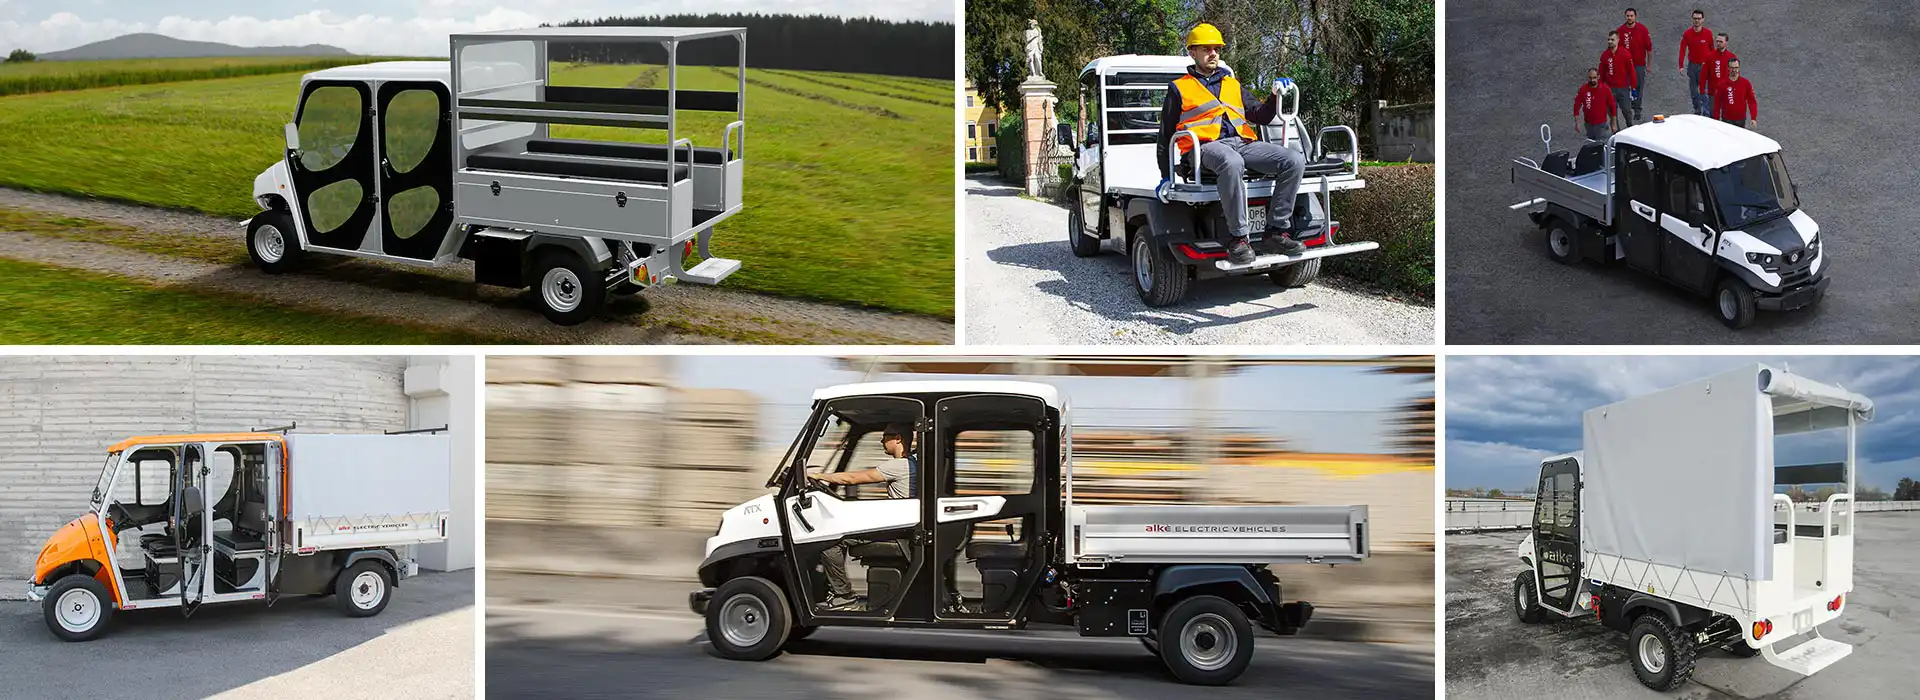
(1403, 132)
(443, 391)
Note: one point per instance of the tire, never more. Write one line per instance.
(1733, 301)
(1084, 246)
(1561, 243)
(1739, 648)
(748, 619)
(1206, 641)
(567, 290)
(801, 632)
(77, 608)
(1299, 274)
(363, 590)
(1526, 601)
(272, 242)
(1670, 648)
(1159, 280)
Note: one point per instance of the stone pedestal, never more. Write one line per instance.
(1036, 98)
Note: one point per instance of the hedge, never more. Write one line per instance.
(1395, 210)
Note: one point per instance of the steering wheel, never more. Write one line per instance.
(120, 515)
(808, 483)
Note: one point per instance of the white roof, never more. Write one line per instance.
(1138, 63)
(1044, 392)
(1697, 141)
(436, 71)
(605, 33)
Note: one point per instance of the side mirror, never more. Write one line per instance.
(293, 136)
(1064, 134)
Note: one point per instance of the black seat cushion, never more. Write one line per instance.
(1326, 166)
(1558, 163)
(885, 553)
(239, 540)
(158, 545)
(635, 151)
(545, 164)
(1590, 157)
(983, 549)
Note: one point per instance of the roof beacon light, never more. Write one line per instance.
(1659, 118)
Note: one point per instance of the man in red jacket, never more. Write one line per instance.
(1696, 47)
(1594, 108)
(1733, 100)
(1715, 69)
(1638, 44)
(1616, 72)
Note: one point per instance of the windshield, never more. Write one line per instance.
(1753, 190)
(100, 486)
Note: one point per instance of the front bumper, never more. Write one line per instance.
(1804, 295)
(697, 601)
(37, 593)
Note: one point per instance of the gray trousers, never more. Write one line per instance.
(1598, 132)
(1230, 158)
(1640, 79)
(1620, 100)
(1693, 90)
(834, 561)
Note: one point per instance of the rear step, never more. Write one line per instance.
(1277, 259)
(1808, 658)
(710, 271)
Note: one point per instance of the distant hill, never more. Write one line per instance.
(159, 46)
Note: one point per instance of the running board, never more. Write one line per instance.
(1277, 259)
(710, 271)
(1808, 658)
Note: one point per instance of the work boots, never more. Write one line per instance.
(1240, 251)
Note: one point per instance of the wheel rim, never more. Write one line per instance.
(271, 243)
(560, 289)
(1729, 304)
(1561, 241)
(1208, 642)
(368, 588)
(1142, 265)
(1653, 654)
(78, 610)
(743, 621)
(1520, 598)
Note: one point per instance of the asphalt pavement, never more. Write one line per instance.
(562, 636)
(420, 646)
(1025, 287)
(1835, 84)
(1491, 655)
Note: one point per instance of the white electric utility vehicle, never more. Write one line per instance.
(1700, 203)
(989, 538)
(1184, 238)
(179, 521)
(1686, 522)
(431, 162)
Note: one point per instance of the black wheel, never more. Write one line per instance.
(1299, 274)
(1561, 245)
(272, 243)
(1084, 246)
(748, 619)
(1738, 647)
(363, 589)
(1662, 654)
(1159, 280)
(1526, 601)
(1206, 640)
(801, 632)
(77, 608)
(1733, 299)
(568, 291)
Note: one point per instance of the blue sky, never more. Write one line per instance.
(1503, 414)
(387, 27)
(1334, 409)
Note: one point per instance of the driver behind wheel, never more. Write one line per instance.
(897, 471)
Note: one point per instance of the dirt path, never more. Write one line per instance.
(446, 297)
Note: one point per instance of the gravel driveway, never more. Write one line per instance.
(1826, 81)
(1023, 286)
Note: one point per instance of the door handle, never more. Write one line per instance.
(968, 508)
(800, 517)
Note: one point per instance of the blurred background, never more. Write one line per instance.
(619, 466)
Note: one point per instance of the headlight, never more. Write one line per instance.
(1761, 258)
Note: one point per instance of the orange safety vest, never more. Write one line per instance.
(1201, 111)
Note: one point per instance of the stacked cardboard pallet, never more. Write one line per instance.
(713, 455)
(575, 439)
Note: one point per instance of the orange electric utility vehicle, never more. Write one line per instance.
(185, 520)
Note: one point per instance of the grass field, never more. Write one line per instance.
(849, 193)
(50, 76)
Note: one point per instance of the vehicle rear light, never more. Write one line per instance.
(1188, 250)
(1324, 238)
(1835, 605)
(686, 251)
(1259, 202)
(1762, 628)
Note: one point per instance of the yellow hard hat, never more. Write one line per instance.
(1205, 34)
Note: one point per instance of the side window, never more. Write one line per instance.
(994, 462)
(1640, 177)
(150, 481)
(828, 444)
(866, 452)
(329, 126)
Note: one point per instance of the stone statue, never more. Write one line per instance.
(1033, 49)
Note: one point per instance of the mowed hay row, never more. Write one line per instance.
(873, 88)
(53, 76)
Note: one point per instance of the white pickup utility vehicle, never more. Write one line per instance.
(997, 541)
(245, 516)
(1694, 201)
(1185, 237)
(1675, 525)
(430, 163)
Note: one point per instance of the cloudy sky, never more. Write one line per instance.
(385, 27)
(1503, 414)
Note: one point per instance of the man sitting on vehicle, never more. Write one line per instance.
(898, 472)
(1210, 102)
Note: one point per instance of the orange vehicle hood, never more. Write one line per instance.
(78, 539)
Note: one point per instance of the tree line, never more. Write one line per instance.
(795, 42)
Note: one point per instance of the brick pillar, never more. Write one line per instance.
(1036, 97)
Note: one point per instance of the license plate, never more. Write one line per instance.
(1800, 298)
(1257, 217)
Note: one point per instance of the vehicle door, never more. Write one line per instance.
(990, 451)
(192, 525)
(1640, 190)
(416, 169)
(1089, 153)
(878, 539)
(1556, 533)
(333, 170)
(1687, 251)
